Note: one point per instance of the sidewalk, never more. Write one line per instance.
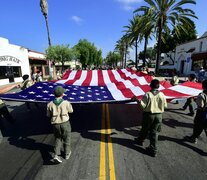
(8, 87)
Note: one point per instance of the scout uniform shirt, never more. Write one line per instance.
(2, 104)
(153, 102)
(58, 111)
(25, 84)
(201, 101)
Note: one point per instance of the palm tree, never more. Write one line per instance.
(119, 47)
(148, 28)
(133, 31)
(167, 12)
(44, 9)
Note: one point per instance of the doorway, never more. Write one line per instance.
(10, 74)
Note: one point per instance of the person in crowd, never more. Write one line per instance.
(5, 112)
(58, 110)
(59, 75)
(34, 76)
(189, 102)
(24, 85)
(201, 74)
(153, 104)
(200, 120)
(133, 68)
(144, 70)
(175, 79)
(39, 76)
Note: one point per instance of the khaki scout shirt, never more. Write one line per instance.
(59, 114)
(201, 101)
(2, 104)
(25, 84)
(153, 103)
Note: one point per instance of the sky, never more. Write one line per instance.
(99, 21)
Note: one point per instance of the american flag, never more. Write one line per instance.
(89, 86)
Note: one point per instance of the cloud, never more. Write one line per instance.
(128, 5)
(77, 19)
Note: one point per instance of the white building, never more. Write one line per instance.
(13, 62)
(188, 57)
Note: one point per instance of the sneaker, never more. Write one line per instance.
(191, 139)
(150, 152)
(57, 159)
(67, 156)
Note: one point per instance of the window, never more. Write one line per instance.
(3, 73)
(10, 71)
(17, 71)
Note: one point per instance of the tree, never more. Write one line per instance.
(150, 53)
(133, 31)
(172, 39)
(60, 53)
(113, 58)
(44, 9)
(167, 12)
(87, 53)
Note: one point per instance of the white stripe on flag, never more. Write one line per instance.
(186, 90)
(141, 79)
(106, 77)
(127, 83)
(116, 93)
(137, 91)
(70, 77)
(94, 80)
(82, 78)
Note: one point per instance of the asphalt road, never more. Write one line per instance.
(103, 146)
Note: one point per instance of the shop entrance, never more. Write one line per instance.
(10, 73)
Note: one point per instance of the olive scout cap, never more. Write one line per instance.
(58, 91)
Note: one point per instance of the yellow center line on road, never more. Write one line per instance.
(105, 124)
(110, 147)
(102, 170)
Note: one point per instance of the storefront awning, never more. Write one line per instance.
(36, 60)
(199, 56)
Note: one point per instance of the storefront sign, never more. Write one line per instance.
(9, 59)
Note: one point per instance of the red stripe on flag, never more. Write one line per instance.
(87, 81)
(77, 76)
(194, 85)
(100, 78)
(135, 82)
(66, 75)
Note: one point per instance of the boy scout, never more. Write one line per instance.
(200, 121)
(189, 102)
(153, 104)
(58, 110)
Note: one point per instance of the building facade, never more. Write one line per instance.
(188, 57)
(13, 62)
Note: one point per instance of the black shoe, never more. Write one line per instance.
(191, 139)
(150, 152)
(138, 141)
(191, 114)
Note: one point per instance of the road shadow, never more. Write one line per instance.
(31, 144)
(129, 143)
(184, 143)
(175, 123)
(29, 123)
